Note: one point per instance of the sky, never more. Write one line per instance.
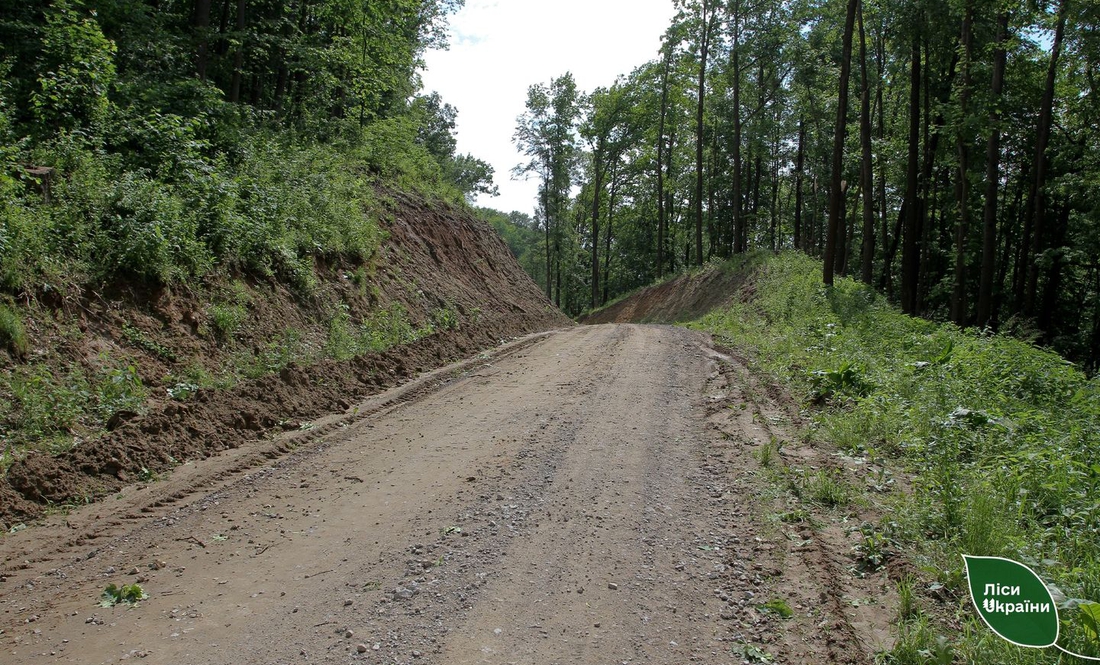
(498, 48)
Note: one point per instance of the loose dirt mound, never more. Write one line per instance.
(435, 259)
(682, 298)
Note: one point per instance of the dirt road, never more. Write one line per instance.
(570, 498)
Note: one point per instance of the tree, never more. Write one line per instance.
(546, 134)
(836, 188)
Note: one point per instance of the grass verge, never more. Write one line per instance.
(998, 437)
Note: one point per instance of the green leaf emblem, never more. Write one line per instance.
(1012, 601)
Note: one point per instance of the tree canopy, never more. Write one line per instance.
(943, 151)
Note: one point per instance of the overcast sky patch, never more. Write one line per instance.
(500, 47)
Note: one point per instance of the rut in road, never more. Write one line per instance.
(567, 500)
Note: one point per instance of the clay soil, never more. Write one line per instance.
(683, 298)
(434, 258)
(588, 495)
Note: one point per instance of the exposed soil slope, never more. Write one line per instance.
(682, 298)
(435, 259)
(583, 496)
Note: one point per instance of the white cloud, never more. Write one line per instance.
(500, 47)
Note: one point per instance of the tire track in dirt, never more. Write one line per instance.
(565, 501)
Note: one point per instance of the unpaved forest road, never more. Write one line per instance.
(567, 500)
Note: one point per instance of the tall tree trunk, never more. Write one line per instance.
(238, 55)
(992, 177)
(1042, 139)
(866, 186)
(800, 161)
(662, 221)
(201, 23)
(735, 69)
(704, 45)
(883, 212)
(910, 249)
(774, 211)
(221, 47)
(1053, 285)
(597, 187)
(836, 194)
(669, 200)
(962, 189)
(607, 236)
(546, 227)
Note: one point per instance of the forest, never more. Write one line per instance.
(943, 151)
(160, 142)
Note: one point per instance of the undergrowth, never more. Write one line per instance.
(1000, 439)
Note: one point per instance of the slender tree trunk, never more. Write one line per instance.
(662, 221)
(669, 200)
(774, 211)
(201, 22)
(962, 189)
(238, 56)
(836, 193)
(546, 227)
(221, 47)
(910, 250)
(800, 161)
(992, 177)
(1042, 139)
(1053, 285)
(866, 186)
(607, 236)
(597, 187)
(704, 45)
(735, 69)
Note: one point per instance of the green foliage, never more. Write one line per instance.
(226, 319)
(341, 344)
(874, 548)
(826, 487)
(48, 408)
(127, 594)
(768, 453)
(118, 389)
(908, 609)
(780, 607)
(276, 355)
(142, 341)
(999, 436)
(844, 381)
(75, 70)
(162, 172)
(383, 329)
(386, 328)
(46, 404)
(12, 333)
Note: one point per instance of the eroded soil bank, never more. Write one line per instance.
(447, 273)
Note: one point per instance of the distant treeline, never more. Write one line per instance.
(945, 151)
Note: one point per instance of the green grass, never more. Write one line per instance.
(48, 408)
(13, 335)
(999, 437)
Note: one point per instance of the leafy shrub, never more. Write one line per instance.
(46, 404)
(226, 319)
(12, 333)
(118, 389)
(341, 343)
(844, 381)
(386, 328)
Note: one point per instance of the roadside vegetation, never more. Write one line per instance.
(149, 149)
(996, 437)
